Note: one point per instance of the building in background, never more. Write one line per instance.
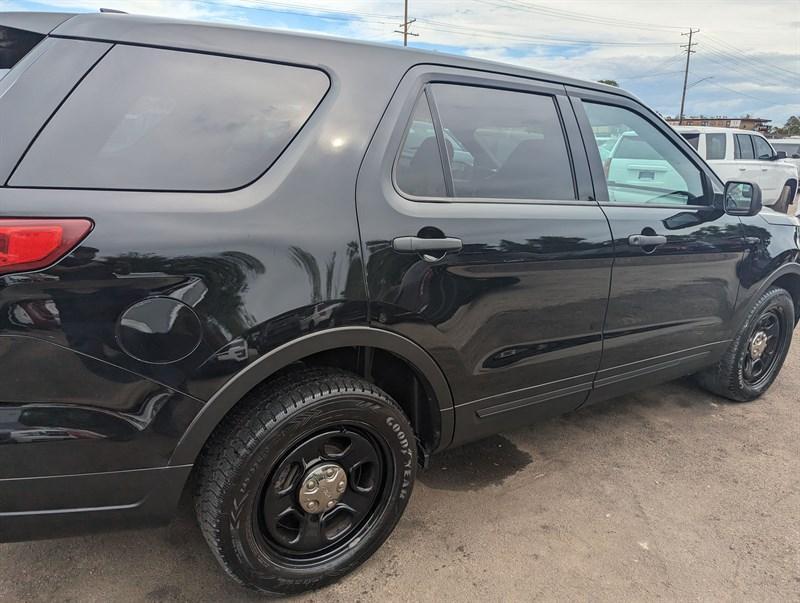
(743, 123)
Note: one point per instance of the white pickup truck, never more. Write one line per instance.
(746, 155)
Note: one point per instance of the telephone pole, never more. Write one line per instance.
(689, 53)
(406, 23)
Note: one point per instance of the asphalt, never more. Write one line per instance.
(668, 494)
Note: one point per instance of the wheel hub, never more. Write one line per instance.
(758, 344)
(322, 487)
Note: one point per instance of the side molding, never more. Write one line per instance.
(234, 390)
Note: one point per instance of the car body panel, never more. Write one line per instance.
(514, 339)
(670, 308)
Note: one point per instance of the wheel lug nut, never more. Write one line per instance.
(311, 484)
(330, 472)
(330, 503)
(312, 504)
(340, 487)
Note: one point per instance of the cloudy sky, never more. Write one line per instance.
(747, 60)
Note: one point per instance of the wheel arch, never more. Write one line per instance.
(787, 277)
(424, 367)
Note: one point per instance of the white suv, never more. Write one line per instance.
(746, 155)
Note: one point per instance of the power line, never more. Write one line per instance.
(689, 53)
(735, 91)
(721, 45)
(576, 16)
(543, 40)
(641, 77)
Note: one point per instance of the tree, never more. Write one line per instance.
(790, 128)
(609, 82)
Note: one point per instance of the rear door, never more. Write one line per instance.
(486, 177)
(747, 166)
(674, 282)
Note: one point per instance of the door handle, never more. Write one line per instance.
(421, 245)
(742, 169)
(641, 240)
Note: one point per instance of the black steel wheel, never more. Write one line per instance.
(755, 356)
(305, 480)
(763, 346)
(300, 520)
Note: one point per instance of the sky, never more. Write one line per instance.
(747, 58)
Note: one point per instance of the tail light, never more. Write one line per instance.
(35, 243)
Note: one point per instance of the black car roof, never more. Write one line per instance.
(254, 42)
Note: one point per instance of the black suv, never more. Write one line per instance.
(292, 268)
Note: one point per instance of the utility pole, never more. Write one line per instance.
(406, 23)
(689, 53)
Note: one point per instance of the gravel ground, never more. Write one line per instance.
(669, 493)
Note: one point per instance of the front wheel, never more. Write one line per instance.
(305, 480)
(755, 356)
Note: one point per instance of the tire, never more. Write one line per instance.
(730, 377)
(785, 199)
(287, 435)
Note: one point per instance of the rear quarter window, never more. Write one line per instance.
(166, 120)
(15, 44)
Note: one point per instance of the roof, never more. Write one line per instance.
(720, 118)
(41, 23)
(253, 42)
(712, 130)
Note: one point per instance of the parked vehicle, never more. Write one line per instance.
(220, 257)
(634, 169)
(790, 147)
(743, 154)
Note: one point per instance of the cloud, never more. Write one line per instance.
(750, 48)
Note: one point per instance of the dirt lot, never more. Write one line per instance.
(670, 493)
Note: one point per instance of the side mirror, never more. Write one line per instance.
(742, 198)
(780, 155)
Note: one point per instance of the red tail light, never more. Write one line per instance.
(35, 243)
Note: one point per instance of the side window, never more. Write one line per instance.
(693, 138)
(715, 146)
(506, 145)
(763, 150)
(643, 165)
(419, 167)
(499, 144)
(744, 147)
(152, 119)
(15, 44)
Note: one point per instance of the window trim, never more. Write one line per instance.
(504, 84)
(578, 96)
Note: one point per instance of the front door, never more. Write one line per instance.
(482, 243)
(674, 282)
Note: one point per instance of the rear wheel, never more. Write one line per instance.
(756, 355)
(305, 480)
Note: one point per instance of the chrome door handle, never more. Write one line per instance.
(646, 240)
(420, 245)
